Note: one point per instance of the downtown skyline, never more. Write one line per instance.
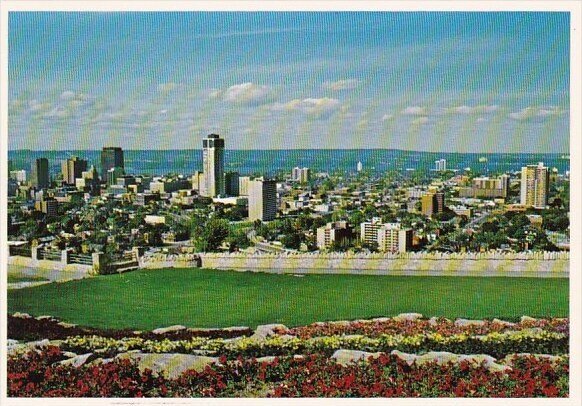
(446, 82)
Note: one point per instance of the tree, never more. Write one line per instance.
(213, 235)
(292, 240)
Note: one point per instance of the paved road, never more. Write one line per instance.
(52, 275)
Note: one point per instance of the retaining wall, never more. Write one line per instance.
(542, 264)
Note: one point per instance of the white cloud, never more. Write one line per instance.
(317, 107)
(420, 120)
(247, 93)
(167, 87)
(414, 111)
(343, 84)
(474, 109)
(481, 119)
(531, 112)
(215, 93)
(58, 112)
(387, 117)
(67, 95)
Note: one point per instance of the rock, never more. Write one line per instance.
(267, 330)
(381, 319)
(36, 345)
(69, 354)
(503, 322)
(22, 315)
(66, 325)
(10, 342)
(169, 365)
(341, 323)
(527, 319)
(409, 358)
(465, 322)
(266, 359)
(443, 357)
(78, 360)
(45, 318)
(433, 321)
(345, 357)
(16, 349)
(241, 329)
(408, 317)
(170, 329)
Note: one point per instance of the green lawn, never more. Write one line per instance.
(25, 278)
(148, 299)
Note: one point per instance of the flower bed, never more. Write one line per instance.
(30, 329)
(38, 374)
(494, 344)
(442, 326)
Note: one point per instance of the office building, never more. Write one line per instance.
(359, 166)
(485, 187)
(262, 200)
(113, 174)
(111, 157)
(391, 238)
(432, 203)
(302, 175)
(535, 183)
(19, 176)
(213, 165)
(243, 185)
(339, 232)
(72, 169)
(440, 165)
(231, 183)
(39, 173)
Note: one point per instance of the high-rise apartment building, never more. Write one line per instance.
(432, 203)
(72, 169)
(369, 230)
(39, 173)
(535, 182)
(302, 175)
(111, 157)
(391, 238)
(440, 165)
(339, 232)
(231, 183)
(243, 185)
(262, 200)
(213, 165)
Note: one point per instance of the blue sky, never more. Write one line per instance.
(451, 82)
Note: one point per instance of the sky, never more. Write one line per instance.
(443, 82)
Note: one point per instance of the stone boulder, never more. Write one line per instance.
(346, 357)
(169, 365)
(442, 357)
(527, 319)
(407, 317)
(78, 360)
(267, 330)
(466, 322)
(170, 329)
(22, 315)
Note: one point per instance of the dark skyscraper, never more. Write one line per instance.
(111, 157)
(213, 165)
(39, 173)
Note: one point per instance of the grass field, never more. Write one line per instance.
(25, 278)
(148, 299)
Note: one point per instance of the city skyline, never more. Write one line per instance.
(446, 82)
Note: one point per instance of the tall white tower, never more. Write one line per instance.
(213, 166)
(534, 186)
